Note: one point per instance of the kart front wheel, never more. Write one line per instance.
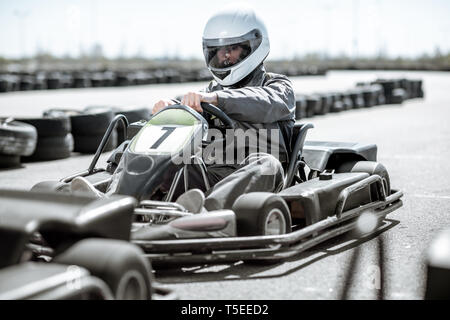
(261, 213)
(119, 264)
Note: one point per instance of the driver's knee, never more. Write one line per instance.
(266, 164)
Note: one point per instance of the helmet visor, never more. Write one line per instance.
(227, 52)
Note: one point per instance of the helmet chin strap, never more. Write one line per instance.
(243, 82)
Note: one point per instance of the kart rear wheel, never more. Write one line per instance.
(120, 264)
(370, 167)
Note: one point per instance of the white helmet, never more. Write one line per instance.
(234, 29)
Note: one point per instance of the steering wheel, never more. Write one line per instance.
(213, 110)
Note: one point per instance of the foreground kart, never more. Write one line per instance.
(86, 242)
(344, 181)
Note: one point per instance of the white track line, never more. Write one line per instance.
(430, 196)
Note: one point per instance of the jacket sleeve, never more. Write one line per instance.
(274, 101)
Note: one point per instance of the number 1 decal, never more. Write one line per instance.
(158, 142)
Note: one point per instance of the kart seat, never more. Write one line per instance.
(296, 149)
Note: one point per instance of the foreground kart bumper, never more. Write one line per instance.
(216, 250)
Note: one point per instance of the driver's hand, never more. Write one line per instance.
(193, 99)
(161, 104)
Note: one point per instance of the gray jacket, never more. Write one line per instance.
(261, 101)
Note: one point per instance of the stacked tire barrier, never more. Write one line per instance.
(17, 139)
(60, 132)
(54, 138)
(51, 80)
(363, 95)
(88, 127)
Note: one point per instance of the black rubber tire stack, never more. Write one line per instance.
(313, 103)
(368, 96)
(347, 101)
(406, 85)
(133, 115)
(357, 98)
(54, 138)
(325, 105)
(380, 99)
(417, 88)
(398, 96)
(53, 81)
(337, 105)
(16, 139)
(88, 128)
(300, 107)
(388, 87)
(6, 83)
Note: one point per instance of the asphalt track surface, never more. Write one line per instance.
(413, 142)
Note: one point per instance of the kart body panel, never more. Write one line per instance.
(320, 155)
(161, 144)
(316, 199)
(59, 217)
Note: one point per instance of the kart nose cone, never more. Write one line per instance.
(139, 165)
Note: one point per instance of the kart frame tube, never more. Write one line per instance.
(92, 169)
(273, 253)
(238, 248)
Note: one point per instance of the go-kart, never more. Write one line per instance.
(57, 246)
(344, 181)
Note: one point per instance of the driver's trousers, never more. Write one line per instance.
(258, 172)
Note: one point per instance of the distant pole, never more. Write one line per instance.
(94, 21)
(328, 15)
(355, 27)
(22, 15)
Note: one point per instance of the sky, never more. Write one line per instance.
(174, 28)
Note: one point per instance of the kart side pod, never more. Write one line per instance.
(201, 225)
(316, 199)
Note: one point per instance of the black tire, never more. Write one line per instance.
(398, 96)
(300, 107)
(51, 186)
(17, 138)
(89, 144)
(313, 103)
(337, 105)
(370, 167)
(52, 148)
(119, 264)
(357, 98)
(253, 209)
(93, 121)
(369, 97)
(347, 101)
(50, 126)
(9, 161)
(325, 106)
(132, 115)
